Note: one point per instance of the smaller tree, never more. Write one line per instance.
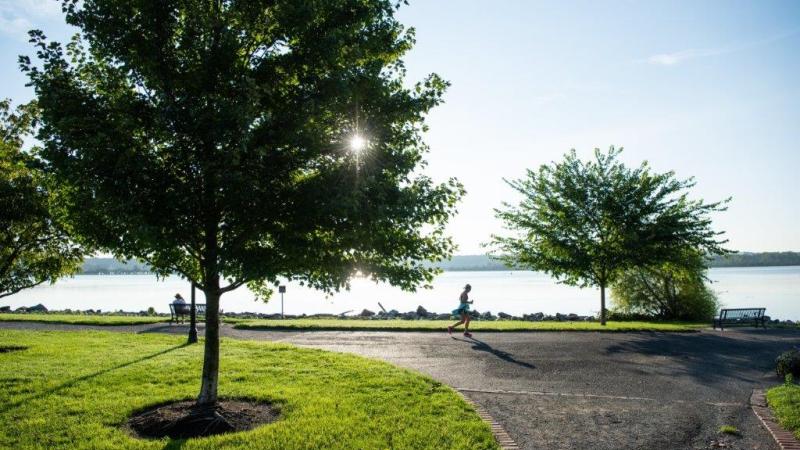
(34, 248)
(586, 222)
(669, 291)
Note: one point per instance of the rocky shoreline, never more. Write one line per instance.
(419, 314)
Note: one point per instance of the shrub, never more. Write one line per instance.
(669, 291)
(788, 364)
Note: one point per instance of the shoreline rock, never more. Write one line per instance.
(419, 314)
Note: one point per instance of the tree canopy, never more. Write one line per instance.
(212, 139)
(586, 222)
(34, 246)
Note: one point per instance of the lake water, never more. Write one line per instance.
(518, 292)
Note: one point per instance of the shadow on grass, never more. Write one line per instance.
(178, 328)
(484, 347)
(68, 384)
(174, 444)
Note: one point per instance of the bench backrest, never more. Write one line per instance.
(741, 313)
(179, 308)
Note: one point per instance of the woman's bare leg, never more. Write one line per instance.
(466, 323)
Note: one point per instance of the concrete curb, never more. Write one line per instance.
(784, 439)
(502, 437)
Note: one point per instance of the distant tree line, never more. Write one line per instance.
(757, 259)
(483, 262)
(95, 266)
(476, 263)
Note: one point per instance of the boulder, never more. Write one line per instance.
(536, 317)
(504, 316)
(411, 315)
(366, 313)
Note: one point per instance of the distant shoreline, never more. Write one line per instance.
(468, 263)
(468, 269)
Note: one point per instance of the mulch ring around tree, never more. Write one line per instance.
(12, 348)
(184, 419)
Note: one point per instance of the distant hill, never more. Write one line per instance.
(94, 266)
(471, 263)
(743, 259)
(111, 266)
(749, 259)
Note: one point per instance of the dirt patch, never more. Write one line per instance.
(12, 348)
(184, 419)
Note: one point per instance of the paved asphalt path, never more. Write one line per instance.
(578, 390)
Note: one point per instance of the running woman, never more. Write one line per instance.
(463, 312)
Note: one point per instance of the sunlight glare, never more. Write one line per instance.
(357, 143)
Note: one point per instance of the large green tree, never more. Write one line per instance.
(586, 222)
(239, 142)
(34, 246)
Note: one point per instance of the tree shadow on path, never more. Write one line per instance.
(709, 357)
(68, 384)
(484, 347)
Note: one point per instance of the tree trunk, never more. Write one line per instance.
(208, 389)
(602, 304)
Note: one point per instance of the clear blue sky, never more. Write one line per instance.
(709, 89)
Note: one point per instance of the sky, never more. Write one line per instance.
(709, 89)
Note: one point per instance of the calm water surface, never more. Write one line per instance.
(519, 292)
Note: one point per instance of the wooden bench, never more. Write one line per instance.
(180, 311)
(740, 316)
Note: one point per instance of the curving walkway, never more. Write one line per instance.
(566, 390)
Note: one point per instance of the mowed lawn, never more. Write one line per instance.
(75, 389)
(785, 403)
(79, 319)
(475, 325)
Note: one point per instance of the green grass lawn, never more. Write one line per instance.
(74, 389)
(441, 325)
(78, 319)
(785, 402)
